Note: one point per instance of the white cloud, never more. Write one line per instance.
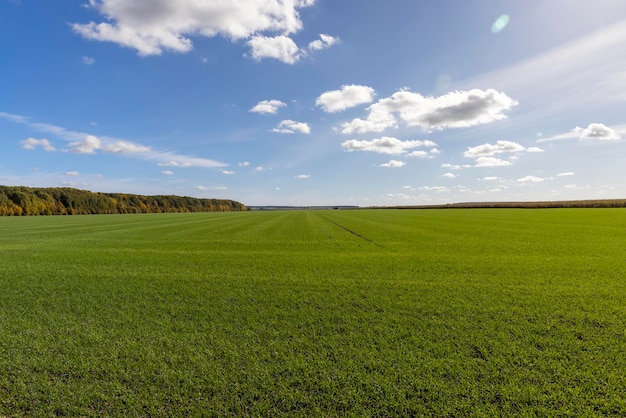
(302, 176)
(489, 150)
(173, 163)
(491, 178)
(455, 166)
(530, 179)
(124, 147)
(88, 60)
(291, 127)
(458, 109)
(438, 189)
(228, 172)
(33, 143)
(393, 164)
(599, 131)
(449, 175)
(167, 172)
(534, 149)
(71, 173)
(267, 106)
(84, 143)
(325, 41)
(203, 188)
(385, 145)
(151, 26)
(87, 145)
(346, 97)
(491, 162)
(565, 174)
(281, 47)
(244, 164)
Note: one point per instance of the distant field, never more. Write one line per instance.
(486, 312)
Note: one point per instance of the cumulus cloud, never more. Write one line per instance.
(346, 97)
(87, 145)
(489, 150)
(599, 131)
(393, 164)
(228, 172)
(595, 131)
(530, 179)
(491, 162)
(33, 143)
(385, 145)
(291, 127)
(267, 106)
(458, 109)
(449, 175)
(244, 164)
(325, 41)
(281, 47)
(151, 26)
(455, 166)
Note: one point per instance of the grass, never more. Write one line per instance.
(315, 313)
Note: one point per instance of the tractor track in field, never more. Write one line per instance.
(345, 228)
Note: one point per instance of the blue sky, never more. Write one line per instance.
(315, 102)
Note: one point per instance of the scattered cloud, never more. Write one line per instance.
(291, 127)
(599, 131)
(565, 174)
(88, 145)
(71, 173)
(125, 147)
(491, 162)
(594, 131)
(85, 143)
(203, 188)
(33, 143)
(530, 179)
(281, 47)
(385, 145)
(393, 164)
(167, 172)
(88, 60)
(346, 97)
(458, 109)
(438, 189)
(534, 149)
(267, 106)
(228, 172)
(302, 176)
(449, 175)
(489, 150)
(244, 164)
(325, 41)
(455, 166)
(491, 178)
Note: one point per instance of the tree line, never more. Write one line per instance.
(25, 201)
(556, 204)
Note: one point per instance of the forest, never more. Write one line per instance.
(25, 201)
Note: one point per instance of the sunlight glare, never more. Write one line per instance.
(500, 23)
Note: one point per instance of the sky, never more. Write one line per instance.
(316, 102)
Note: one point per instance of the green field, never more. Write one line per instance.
(315, 313)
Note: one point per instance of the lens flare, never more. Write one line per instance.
(500, 23)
